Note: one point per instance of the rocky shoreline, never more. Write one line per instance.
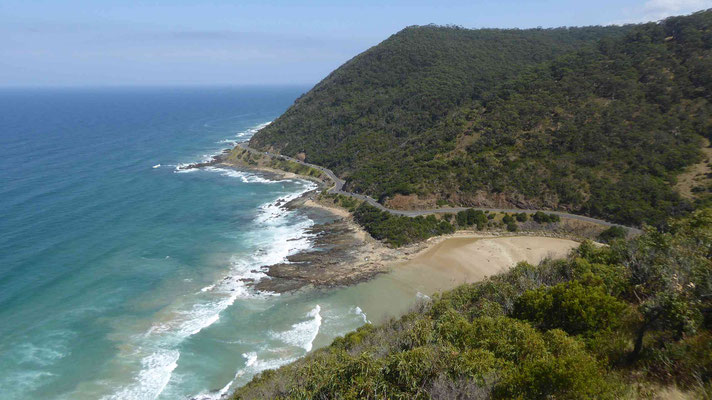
(342, 253)
(336, 257)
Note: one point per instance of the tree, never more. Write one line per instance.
(576, 308)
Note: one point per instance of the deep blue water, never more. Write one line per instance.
(121, 280)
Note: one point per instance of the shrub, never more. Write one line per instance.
(566, 372)
(612, 233)
(399, 230)
(687, 363)
(543, 218)
(471, 217)
(571, 306)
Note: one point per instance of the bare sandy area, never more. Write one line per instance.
(338, 211)
(348, 255)
(459, 260)
(443, 265)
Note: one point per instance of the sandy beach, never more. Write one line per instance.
(459, 260)
(445, 265)
(344, 254)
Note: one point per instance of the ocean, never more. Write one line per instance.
(123, 278)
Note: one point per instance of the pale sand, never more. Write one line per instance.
(338, 211)
(456, 261)
(444, 265)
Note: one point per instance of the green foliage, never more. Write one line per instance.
(612, 233)
(399, 230)
(346, 202)
(543, 218)
(577, 309)
(593, 120)
(511, 222)
(471, 217)
(688, 362)
(508, 219)
(291, 166)
(564, 329)
(568, 373)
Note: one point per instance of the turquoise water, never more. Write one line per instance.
(121, 278)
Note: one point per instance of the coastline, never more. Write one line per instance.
(343, 254)
(357, 276)
(445, 265)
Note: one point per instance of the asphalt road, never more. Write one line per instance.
(339, 185)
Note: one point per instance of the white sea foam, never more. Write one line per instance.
(246, 177)
(41, 355)
(183, 168)
(230, 142)
(303, 333)
(422, 296)
(283, 234)
(233, 141)
(154, 376)
(271, 213)
(358, 311)
(35, 357)
(253, 366)
(242, 135)
(24, 380)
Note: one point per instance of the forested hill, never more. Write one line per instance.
(594, 120)
(407, 83)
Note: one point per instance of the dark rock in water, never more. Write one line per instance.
(280, 285)
(213, 161)
(328, 263)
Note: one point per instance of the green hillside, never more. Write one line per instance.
(606, 323)
(597, 120)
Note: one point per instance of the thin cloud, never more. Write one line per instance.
(659, 9)
(655, 10)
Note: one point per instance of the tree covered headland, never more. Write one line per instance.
(605, 323)
(596, 120)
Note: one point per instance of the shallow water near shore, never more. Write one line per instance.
(123, 279)
(444, 266)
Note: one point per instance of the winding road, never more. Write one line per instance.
(338, 186)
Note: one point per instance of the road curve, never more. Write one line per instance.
(338, 186)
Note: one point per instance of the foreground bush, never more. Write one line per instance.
(586, 327)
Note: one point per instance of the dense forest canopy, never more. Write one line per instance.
(595, 120)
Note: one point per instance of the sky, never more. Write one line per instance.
(51, 43)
